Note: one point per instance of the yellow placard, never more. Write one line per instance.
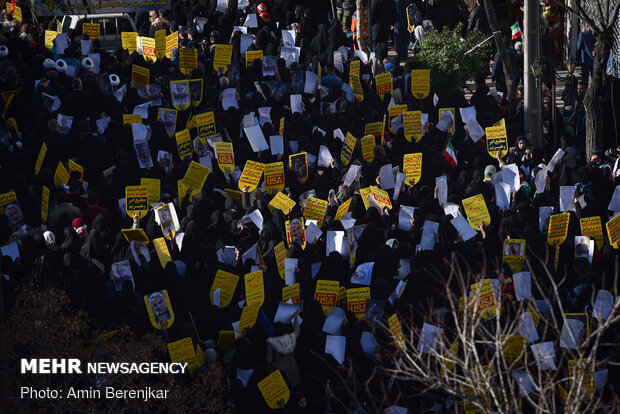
(250, 177)
(135, 234)
(222, 57)
(514, 253)
(172, 42)
(383, 83)
(558, 229)
(274, 177)
(50, 35)
(341, 298)
(205, 123)
(274, 390)
(282, 202)
(17, 11)
(591, 227)
(161, 248)
(381, 197)
(326, 293)
(140, 76)
(227, 283)
(188, 60)
(235, 195)
(374, 128)
(343, 209)
(412, 122)
(354, 68)
(397, 331)
(93, 30)
(160, 43)
(315, 210)
(513, 348)
(581, 373)
(252, 55)
(476, 211)
(281, 253)
(40, 158)
(393, 112)
(497, 139)
(195, 177)
(613, 231)
(7, 198)
(291, 292)
(226, 339)
(420, 83)
(148, 49)
(61, 175)
(356, 85)
(136, 200)
(225, 156)
(485, 295)
(45, 201)
(254, 288)
(368, 147)
(347, 149)
(248, 317)
(105, 336)
(74, 166)
(356, 301)
(132, 119)
(128, 41)
(184, 144)
(163, 309)
(153, 189)
(183, 351)
(412, 167)
(281, 129)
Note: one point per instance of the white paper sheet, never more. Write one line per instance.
(475, 130)
(427, 241)
(335, 345)
(333, 322)
(338, 134)
(468, 113)
(567, 198)
(352, 174)
(524, 381)
(229, 98)
(463, 227)
(557, 156)
(288, 37)
(405, 214)
(428, 338)
(368, 343)
(312, 81)
(256, 138)
(290, 266)
(244, 376)
(85, 47)
(527, 329)
(250, 21)
(523, 285)
(325, 157)
(285, 312)
(386, 177)
(544, 355)
(441, 183)
(575, 327)
(445, 121)
(363, 274)
(10, 249)
(336, 242)
(502, 196)
(312, 233)
(603, 304)
(296, 103)
(614, 204)
(251, 253)
(451, 209)
(544, 212)
(541, 181)
(276, 143)
(217, 298)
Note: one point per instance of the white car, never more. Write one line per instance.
(110, 26)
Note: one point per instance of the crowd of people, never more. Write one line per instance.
(69, 222)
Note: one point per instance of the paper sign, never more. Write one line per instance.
(248, 317)
(40, 158)
(205, 123)
(476, 211)
(140, 76)
(420, 83)
(128, 41)
(315, 210)
(448, 119)
(591, 227)
(291, 292)
(254, 288)
(383, 83)
(281, 253)
(393, 112)
(326, 293)
(159, 308)
(347, 149)
(343, 209)
(227, 283)
(412, 167)
(497, 140)
(514, 253)
(61, 175)
(412, 122)
(558, 229)
(613, 231)
(92, 30)
(161, 248)
(252, 55)
(136, 200)
(222, 57)
(282, 202)
(368, 147)
(274, 390)
(179, 94)
(188, 60)
(172, 42)
(225, 156)
(581, 373)
(251, 175)
(356, 301)
(183, 351)
(148, 48)
(485, 295)
(397, 331)
(274, 177)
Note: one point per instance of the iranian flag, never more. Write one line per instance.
(450, 155)
(516, 31)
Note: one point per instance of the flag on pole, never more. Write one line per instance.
(450, 155)
(516, 31)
